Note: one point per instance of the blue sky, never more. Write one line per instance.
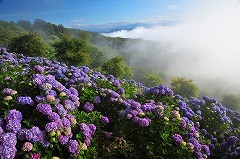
(90, 13)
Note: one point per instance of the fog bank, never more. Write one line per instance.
(204, 44)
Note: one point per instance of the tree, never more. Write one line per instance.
(151, 80)
(148, 77)
(77, 52)
(231, 101)
(98, 58)
(184, 87)
(31, 44)
(116, 67)
(72, 51)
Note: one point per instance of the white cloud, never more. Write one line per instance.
(79, 21)
(106, 27)
(173, 6)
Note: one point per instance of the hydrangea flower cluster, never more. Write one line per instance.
(8, 139)
(88, 131)
(8, 143)
(177, 139)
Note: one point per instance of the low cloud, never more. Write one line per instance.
(173, 6)
(126, 25)
(79, 21)
(204, 44)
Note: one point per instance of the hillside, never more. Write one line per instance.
(150, 62)
(52, 110)
(47, 30)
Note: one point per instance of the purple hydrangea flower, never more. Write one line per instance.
(38, 68)
(8, 139)
(7, 152)
(177, 139)
(37, 81)
(53, 116)
(69, 105)
(44, 108)
(22, 134)
(51, 92)
(87, 141)
(25, 100)
(7, 91)
(184, 124)
(121, 90)
(63, 139)
(73, 98)
(147, 107)
(198, 154)
(134, 112)
(61, 110)
(204, 132)
(73, 146)
(71, 118)
(2, 122)
(129, 116)
(214, 141)
(114, 94)
(52, 126)
(1, 131)
(13, 126)
(13, 115)
(97, 100)
(67, 91)
(73, 91)
(206, 150)
(238, 150)
(105, 119)
(45, 143)
(88, 107)
(93, 128)
(108, 134)
(66, 123)
(197, 146)
(39, 98)
(46, 86)
(35, 134)
(58, 86)
(135, 105)
(144, 122)
(85, 129)
(232, 140)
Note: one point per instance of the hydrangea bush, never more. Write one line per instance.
(51, 110)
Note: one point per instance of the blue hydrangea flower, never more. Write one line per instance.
(25, 100)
